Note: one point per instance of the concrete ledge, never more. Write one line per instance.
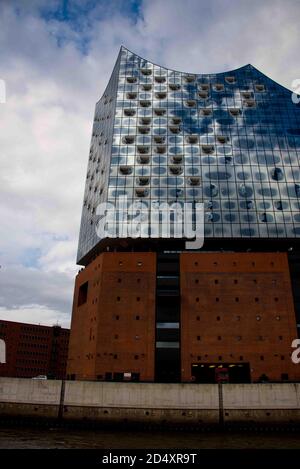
(269, 416)
(192, 404)
(38, 411)
(141, 395)
(261, 396)
(32, 391)
(133, 415)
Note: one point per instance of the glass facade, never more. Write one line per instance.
(230, 140)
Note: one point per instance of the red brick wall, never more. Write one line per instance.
(246, 300)
(114, 331)
(33, 350)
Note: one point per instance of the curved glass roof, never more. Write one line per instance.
(230, 140)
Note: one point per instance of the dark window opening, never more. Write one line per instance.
(167, 335)
(167, 369)
(118, 376)
(83, 293)
(221, 372)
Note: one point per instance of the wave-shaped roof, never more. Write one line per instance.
(237, 70)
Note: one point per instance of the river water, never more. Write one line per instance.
(56, 438)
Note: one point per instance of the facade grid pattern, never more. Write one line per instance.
(230, 140)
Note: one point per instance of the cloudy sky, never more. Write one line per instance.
(56, 58)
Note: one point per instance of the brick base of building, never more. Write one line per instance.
(230, 318)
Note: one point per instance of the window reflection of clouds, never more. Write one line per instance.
(249, 121)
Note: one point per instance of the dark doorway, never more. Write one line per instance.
(167, 340)
(83, 293)
(166, 366)
(221, 372)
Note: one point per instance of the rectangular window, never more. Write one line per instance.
(167, 335)
(82, 294)
(118, 376)
(167, 325)
(167, 344)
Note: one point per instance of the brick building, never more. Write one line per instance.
(180, 317)
(33, 350)
(146, 306)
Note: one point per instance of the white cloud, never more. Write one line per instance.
(52, 87)
(209, 37)
(21, 286)
(36, 314)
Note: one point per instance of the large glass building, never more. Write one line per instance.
(229, 141)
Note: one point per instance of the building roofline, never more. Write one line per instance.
(205, 74)
(184, 72)
(33, 324)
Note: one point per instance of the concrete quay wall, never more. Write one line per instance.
(149, 402)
